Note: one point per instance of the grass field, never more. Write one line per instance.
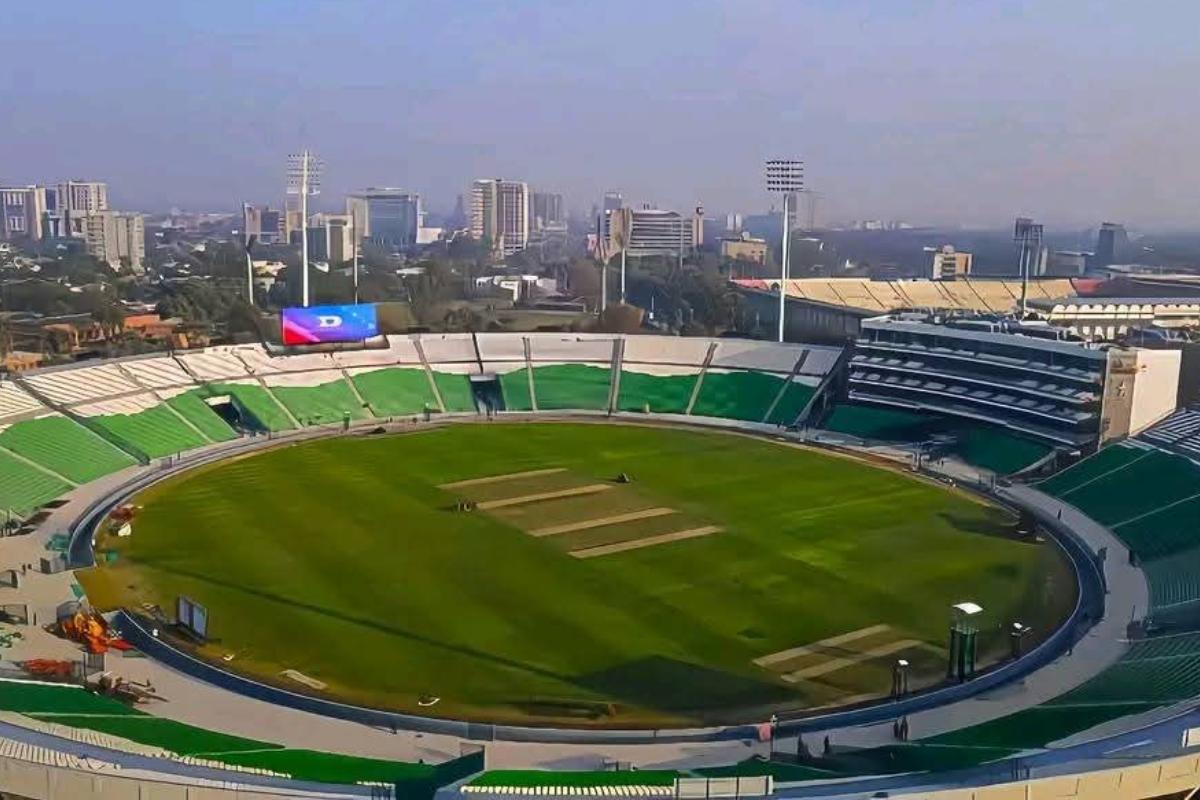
(730, 577)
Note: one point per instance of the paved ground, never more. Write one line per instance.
(207, 706)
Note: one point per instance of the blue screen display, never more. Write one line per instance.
(320, 324)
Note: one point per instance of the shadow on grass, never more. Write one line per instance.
(371, 624)
(667, 685)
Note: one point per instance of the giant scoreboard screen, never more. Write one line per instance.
(324, 324)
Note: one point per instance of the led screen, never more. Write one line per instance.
(319, 324)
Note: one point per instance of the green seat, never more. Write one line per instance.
(192, 408)
(253, 400)
(662, 394)
(395, 391)
(321, 405)
(24, 488)
(515, 388)
(561, 387)
(66, 447)
(155, 431)
(740, 394)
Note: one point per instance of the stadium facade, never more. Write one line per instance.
(1026, 377)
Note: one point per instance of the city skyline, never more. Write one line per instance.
(932, 112)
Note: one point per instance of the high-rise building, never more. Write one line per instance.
(547, 210)
(1110, 240)
(612, 201)
(263, 223)
(389, 217)
(331, 237)
(115, 238)
(653, 231)
(949, 263)
(77, 200)
(500, 214)
(22, 212)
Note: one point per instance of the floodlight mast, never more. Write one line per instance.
(304, 179)
(784, 176)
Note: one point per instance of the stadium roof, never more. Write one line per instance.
(998, 296)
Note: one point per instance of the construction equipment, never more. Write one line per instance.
(89, 629)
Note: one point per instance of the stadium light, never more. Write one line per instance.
(784, 176)
(304, 180)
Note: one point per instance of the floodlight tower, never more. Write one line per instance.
(304, 179)
(1028, 236)
(786, 177)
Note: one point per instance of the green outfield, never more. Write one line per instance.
(504, 572)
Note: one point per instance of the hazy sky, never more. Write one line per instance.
(936, 112)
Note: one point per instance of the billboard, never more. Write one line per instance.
(192, 615)
(321, 324)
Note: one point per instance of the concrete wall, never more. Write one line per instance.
(1156, 387)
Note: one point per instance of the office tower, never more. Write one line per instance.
(331, 237)
(500, 214)
(1110, 241)
(612, 201)
(265, 224)
(386, 216)
(547, 210)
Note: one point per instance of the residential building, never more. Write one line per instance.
(745, 248)
(77, 200)
(22, 211)
(547, 210)
(387, 216)
(331, 238)
(500, 213)
(949, 264)
(1028, 377)
(115, 238)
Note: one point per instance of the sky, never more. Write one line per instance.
(964, 112)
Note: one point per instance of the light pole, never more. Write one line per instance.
(304, 179)
(784, 176)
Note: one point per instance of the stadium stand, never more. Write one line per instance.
(316, 398)
(258, 408)
(159, 372)
(23, 488)
(570, 386)
(571, 372)
(144, 423)
(65, 447)
(980, 444)
(989, 295)
(736, 394)
(656, 388)
(394, 391)
(189, 405)
(157, 406)
(1179, 432)
(74, 707)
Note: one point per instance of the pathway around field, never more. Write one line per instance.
(198, 703)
